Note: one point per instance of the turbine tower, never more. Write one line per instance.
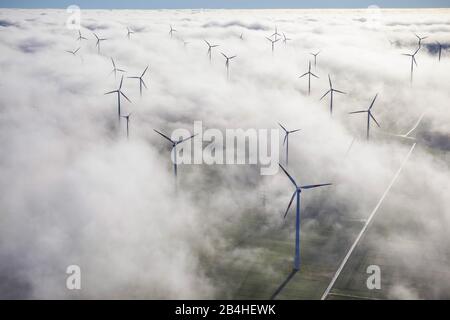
(127, 117)
(439, 50)
(331, 92)
(309, 74)
(119, 94)
(369, 115)
(296, 194)
(286, 140)
(174, 148)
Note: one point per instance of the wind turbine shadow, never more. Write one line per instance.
(285, 282)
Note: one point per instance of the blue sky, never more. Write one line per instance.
(169, 4)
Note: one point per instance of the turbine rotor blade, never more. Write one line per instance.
(282, 127)
(125, 96)
(186, 139)
(325, 94)
(373, 118)
(362, 111)
(144, 72)
(163, 135)
(289, 176)
(371, 105)
(315, 186)
(290, 203)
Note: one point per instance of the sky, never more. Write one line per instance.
(159, 4)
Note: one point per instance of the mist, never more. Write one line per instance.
(75, 190)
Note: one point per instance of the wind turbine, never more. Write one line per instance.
(275, 34)
(127, 117)
(286, 140)
(285, 39)
(174, 148)
(98, 42)
(331, 92)
(129, 33)
(119, 93)
(141, 80)
(420, 39)
(115, 69)
(210, 46)
(73, 52)
(296, 194)
(309, 74)
(172, 30)
(369, 115)
(227, 63)
(413, 61)
(273, 43)
(440, 49)
(80, 37)
(315, 58)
